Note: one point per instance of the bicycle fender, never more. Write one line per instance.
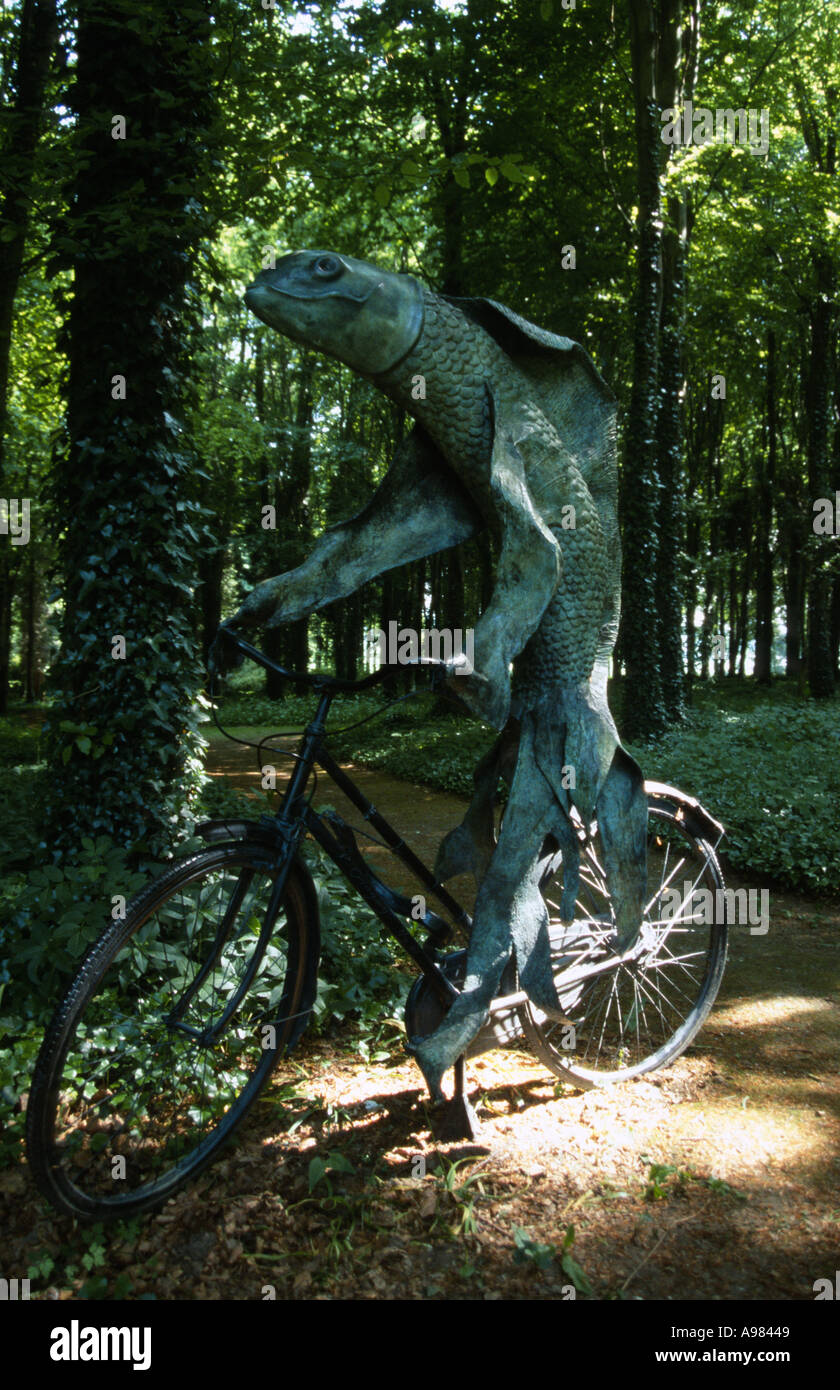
(215, 830)
(687, 809)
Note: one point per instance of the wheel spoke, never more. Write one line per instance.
(645, 1010)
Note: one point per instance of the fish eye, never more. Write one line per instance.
(327, 267)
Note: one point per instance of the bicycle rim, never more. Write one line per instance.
(641, 1015)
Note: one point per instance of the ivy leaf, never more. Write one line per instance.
(570, 1266)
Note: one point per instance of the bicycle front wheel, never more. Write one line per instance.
(169, 1030)
(640, 1015)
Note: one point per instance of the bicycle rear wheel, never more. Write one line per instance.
(162, 1042)
(640, 1015)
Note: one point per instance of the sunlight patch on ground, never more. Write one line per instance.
(776, 1010)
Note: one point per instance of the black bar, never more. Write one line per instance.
(394, 840)
(364, 880)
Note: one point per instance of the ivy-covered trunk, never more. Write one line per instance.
(677, 67)
(820, 657)
(123, 732)
(644, 711)
(671, 518)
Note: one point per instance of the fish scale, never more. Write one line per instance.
(458, 360)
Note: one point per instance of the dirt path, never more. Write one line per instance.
(714, 1179)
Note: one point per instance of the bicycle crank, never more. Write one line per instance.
(424, 1010)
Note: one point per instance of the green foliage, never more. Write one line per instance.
(769, 774)
(528, 1251)
(434, 754)
(764, 766)
(457, 1196)
(59, 910)
(22, 793)
(358, 975)
(17, 1060)
(294, 711)
(19, 743)
(71, 1269)
(542, 1256)
(666, 1180)
(322, 1165)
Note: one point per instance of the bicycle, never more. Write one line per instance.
(212, 976)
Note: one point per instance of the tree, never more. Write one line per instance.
(22, 125)
(644, 708)
(123, 731)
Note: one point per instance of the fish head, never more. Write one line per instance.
(366, 317)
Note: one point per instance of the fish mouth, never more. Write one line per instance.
(258, 300)
(260, 291)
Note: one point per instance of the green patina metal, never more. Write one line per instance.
(514, 434)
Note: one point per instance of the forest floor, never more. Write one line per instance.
(717, 1178)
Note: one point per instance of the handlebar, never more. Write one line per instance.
(225, 637)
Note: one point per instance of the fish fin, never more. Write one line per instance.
(469, 847)
(527, 575)
(622, 815)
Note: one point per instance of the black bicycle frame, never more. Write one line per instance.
(294, 816)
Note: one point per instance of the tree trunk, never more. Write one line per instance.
(37, 40)
(644, 710)
(835, 627)
(128, 675)
(669, 468)
(764, 523)
(211, 568)
(677, 62)
(31, 622)
(820, 658)
(794, 613)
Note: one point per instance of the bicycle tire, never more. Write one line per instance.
(629, 1021)
(124, 1072)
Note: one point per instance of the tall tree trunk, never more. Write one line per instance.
(289, 644)
(669, 579)
(211, 569)
(821, 143)
(644, 710)
(820, 658)
(764, 523)
(690, 629)
(128, 674)
(36, 45)
(794, 612)
(32, 624)
(743, 619)
(676, 75)
(835, 627)
(734, 615)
